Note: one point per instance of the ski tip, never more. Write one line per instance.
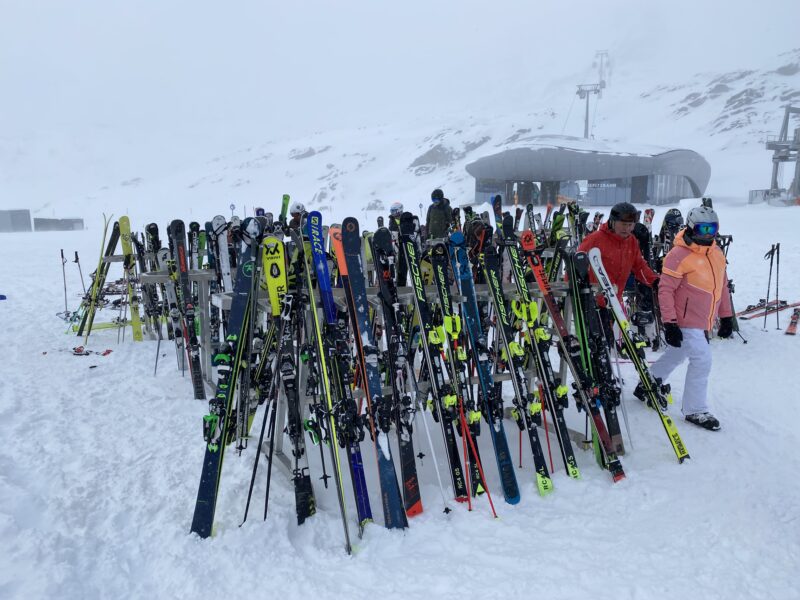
(545, 485)
(362, 525)
(415, 509)
(512, 499)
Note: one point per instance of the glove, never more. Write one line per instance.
(673, 334)
(725, 327)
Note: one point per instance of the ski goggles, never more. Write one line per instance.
(709, 229)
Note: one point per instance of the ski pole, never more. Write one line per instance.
(777, 284)
(735, 321)
(421, 407)
(771, 256)
(158, 348)
(267, 411)
(64, 274)
(269, 457)
(78, 262)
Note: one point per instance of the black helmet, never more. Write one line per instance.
(437, 195)
(623, 211)
(673, 219)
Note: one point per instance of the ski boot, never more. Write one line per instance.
(705, 420)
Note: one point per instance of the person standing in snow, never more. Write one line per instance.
(693, 291)
(621, 256)
(437, 222)
(298, 212)
(394, 227)
(644, 292)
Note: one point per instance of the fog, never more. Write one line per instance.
(237, 70)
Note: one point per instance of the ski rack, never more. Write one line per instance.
(202, 278)
(404, 293)
(222, 300)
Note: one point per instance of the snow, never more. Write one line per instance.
(100, 469)
(383, 444)
(591, 145)
(101, 458)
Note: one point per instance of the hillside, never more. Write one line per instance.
(725, 116)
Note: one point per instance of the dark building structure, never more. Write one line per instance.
(40, 224)
(599, 173)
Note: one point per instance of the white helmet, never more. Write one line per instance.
(702, 224)
(297, 208)
(396, 209)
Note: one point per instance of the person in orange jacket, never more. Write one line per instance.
(693, 291)
(621, 255)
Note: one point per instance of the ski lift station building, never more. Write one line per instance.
(598, 173)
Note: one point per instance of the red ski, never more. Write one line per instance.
(762, 304)
(772, 310)
(792, 328)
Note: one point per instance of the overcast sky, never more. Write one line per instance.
(285, 68)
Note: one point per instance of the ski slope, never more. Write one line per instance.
(101, 460)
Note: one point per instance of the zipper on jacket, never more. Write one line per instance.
(713, 294)
(685, 307)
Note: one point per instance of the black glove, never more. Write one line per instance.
(725, 327)
(673, 334)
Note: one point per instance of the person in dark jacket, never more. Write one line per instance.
(298, 212)
(394, 227)
(437, 222)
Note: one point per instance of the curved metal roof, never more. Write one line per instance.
(562, 158)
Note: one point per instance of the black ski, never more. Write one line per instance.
(216, 425)
(177, 232)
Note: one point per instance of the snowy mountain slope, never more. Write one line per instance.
(724, 116)
(101, 462)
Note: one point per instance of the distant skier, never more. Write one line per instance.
(621, 255)
(439, 216)
(395, 210)
(692, 292)
(298, 212)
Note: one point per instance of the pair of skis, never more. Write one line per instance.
(654, 389)
(586, 393)
(770, 309)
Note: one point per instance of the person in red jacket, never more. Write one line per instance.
(621, 255)
(693, 292)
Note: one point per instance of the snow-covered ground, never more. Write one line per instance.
(179, 109)
(100, 462)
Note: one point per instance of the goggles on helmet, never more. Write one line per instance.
(705, 229)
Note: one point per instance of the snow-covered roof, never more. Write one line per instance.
(566, 158)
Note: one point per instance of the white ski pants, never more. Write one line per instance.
(696, 348)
